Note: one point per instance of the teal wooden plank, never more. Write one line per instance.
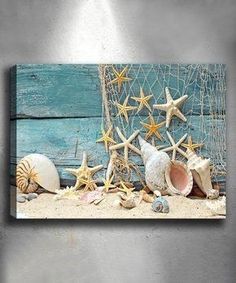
(74, 90)
(64, 140)
(57, 91)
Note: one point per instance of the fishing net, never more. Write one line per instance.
(205, 85)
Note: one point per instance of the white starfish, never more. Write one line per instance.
(175, 146)
(126, 143)
(171, 107)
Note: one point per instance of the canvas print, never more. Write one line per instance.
(144, 141)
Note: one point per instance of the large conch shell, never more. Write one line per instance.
(179, 178)
(155, 163)
(200, 169)
(36, 170)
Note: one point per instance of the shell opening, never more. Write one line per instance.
(179, 178)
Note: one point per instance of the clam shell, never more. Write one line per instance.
(161, 205)
(179, 178)
(36, 169)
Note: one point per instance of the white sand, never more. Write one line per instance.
(46, 207)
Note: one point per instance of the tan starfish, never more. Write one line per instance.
(119, 77)
(89, 183)
(108, 184)
(125, 189)
(143, 100)
(153, 127)
(106, 138)
(84, 172)
(126, 143)
(190, 145)
(171, 107)
(124, 108)
(175, 146)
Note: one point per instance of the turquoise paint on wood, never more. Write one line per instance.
(74, 90)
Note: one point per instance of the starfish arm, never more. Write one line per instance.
(180, 115)
(182, 139)
(135, 149)
(174, 154)
(72, 171)
(147, 105)
(126, 153)
(95, 169)
(163, 107)
(113, 81)
(169, 115)
(182, 152)
(121, 136)
(148, 135)
(158, 135)
(170, 138)
(178, 102)
(109, 139)
(84, 160)
(117, 146)
(168, 96)
(167, 149)
(123, 71)
(133, 136)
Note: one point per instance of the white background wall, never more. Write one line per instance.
(71, 31)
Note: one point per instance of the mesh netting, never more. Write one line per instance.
(204, 109)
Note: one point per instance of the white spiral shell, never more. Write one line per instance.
(36, 169)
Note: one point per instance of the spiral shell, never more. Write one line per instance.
(36, 170)
(161, 205)
(179, 178)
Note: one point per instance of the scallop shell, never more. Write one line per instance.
(36, 170)
(161, 205)
(155, 163)
(179, 178)
(200, 169)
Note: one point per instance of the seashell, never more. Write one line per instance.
(146, 197)
(179, 178)
(200, 168)
(160, 205)
(131, 201)
(36, 170)
(155, 163)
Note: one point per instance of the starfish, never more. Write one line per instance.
(83, 173)
(125, 189)
(175, 146)
(108, 184)
(190, 145)
(143, 100)
(119, 77)
(171, 107)
(153, 127)
(124, 108)
(106, 138)
(126, 143)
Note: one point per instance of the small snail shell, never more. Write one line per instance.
(36, 170)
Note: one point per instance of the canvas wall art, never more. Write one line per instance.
(145, 141)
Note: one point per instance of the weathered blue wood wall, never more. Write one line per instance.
(56, 110)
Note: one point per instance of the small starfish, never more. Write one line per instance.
(190, 145)
(119, 77)
(125, 189)
(83, 173)
(175, 146)
(171, 107)
(108, 184)
(153, 128)
(126, 144)
(124, 108)
(106, 138)
(143, 100)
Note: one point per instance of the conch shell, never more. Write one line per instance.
(36, 170)
(200, 169)
(179, 178)
(155, 163)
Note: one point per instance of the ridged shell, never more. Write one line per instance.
(155, 163)
(161, 205)
(200, 169)
(36, 169)
(179, 178)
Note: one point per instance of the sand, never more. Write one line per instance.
(46, 207)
